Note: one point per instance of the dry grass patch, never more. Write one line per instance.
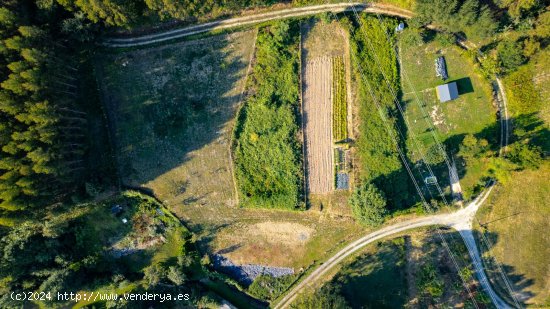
(267, 243)
(171, 110)
(516, 222)
(284, 239)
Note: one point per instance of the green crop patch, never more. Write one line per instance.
(339, 102)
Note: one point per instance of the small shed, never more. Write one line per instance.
(400, 27)
(447, 92)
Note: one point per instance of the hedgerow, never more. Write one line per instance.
(267, 152)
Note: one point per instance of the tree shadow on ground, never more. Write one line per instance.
(166, 103)
(499, 273)
(529, 126)
(440, 269)
(374, 280)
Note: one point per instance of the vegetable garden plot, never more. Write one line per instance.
(317, 110)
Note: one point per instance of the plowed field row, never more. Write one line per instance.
(317, 115)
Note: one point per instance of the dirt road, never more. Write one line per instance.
(460, 220)
(464, 229)
(254, 19)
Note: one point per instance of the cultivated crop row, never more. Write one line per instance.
(339, 103)
(317, 115)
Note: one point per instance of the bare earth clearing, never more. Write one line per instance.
(271, 243)
(317, 115)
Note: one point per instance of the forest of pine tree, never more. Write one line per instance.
(41, 133)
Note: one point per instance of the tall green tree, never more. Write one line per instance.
(458, 16)
(110, 12)
(368, 204)
(510, 55)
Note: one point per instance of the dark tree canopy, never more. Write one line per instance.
(368, 204)
(467, 16)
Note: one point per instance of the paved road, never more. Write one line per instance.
(460, 220)
(254, 19)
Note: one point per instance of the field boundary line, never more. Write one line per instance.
(300, 80)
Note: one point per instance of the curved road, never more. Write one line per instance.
(254, 19)
(460, 220)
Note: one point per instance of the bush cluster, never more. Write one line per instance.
(267, 152)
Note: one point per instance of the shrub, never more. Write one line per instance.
(445, 38)
(268, 287)
(325, 297)
(429, 281)
(473, 147)
(531, 47)
(522, 95)
(525, 155)
(510, 55)
(413, 36)
(368, 205)
(267, 152)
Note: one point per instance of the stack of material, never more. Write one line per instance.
(440, 68)
(342, 181)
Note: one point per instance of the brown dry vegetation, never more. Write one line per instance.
(295, 239)
(172, 109)
(515, 222)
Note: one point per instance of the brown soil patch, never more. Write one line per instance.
(317, 116)
(269, 243)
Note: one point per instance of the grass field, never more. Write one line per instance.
(516, 221)
(471, 113)
(267, 150)
(171, 111)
